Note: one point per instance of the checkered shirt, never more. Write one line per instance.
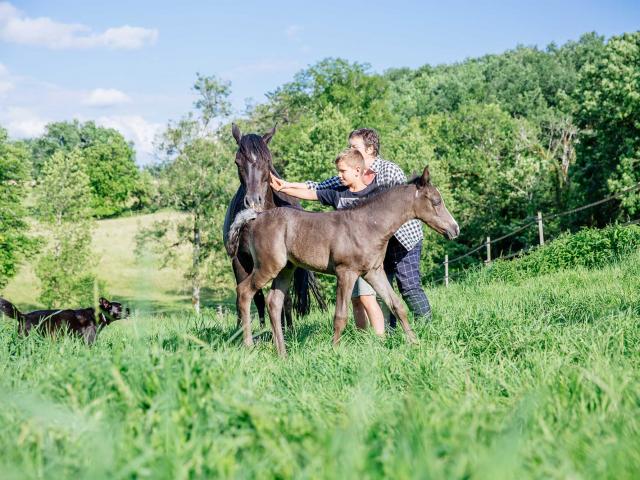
(388, 174)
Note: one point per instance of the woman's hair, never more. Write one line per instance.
(369, 137)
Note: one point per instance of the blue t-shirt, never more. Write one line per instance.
(343, 197)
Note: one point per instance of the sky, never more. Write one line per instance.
(130, 65)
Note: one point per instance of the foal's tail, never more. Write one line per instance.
(10, 310)
(236, 228)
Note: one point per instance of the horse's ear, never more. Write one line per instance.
(425, 179)
(269, 135)
(236, 133)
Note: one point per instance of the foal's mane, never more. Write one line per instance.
(373, 196)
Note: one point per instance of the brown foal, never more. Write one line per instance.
(346, 243)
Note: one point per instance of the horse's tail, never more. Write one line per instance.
(10, 310)
(303, 281)
(236, 228)
(317, 292)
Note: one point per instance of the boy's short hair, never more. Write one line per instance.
(351, 157)
(369, 137)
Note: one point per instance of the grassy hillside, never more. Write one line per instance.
(138, 282)
(539, 379)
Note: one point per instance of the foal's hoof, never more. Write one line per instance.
(412, 339)
(249, 342)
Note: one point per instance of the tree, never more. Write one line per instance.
(15, 242)
(63, 206)
(109, 161)
(608, 98)
(196, 179)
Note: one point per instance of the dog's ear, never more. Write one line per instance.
(235, 130)
(104, 303)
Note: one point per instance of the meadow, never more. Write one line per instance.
(532, 378)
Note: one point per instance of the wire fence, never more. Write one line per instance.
(525, 224)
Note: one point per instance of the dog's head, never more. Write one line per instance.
(113, 310)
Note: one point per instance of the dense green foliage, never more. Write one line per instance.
(65, 268)
(15, 242)
(529, 381)
(109, 161)
(589, 248)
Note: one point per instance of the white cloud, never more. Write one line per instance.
(105, 97)
(137, 130)
(5, 82)
(23, 123)
(15, 27)
(292, 31)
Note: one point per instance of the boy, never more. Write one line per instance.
(350, 165)
(403, 253)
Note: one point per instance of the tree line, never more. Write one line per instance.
(505, 135)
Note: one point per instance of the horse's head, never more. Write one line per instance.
(429, 207)
(253, 159)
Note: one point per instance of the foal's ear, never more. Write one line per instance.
(104, 303)
(236, 133)
(425, 179)
(269, 135)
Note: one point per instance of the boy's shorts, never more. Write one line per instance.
(362, 288)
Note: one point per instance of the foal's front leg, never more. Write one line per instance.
(346, 281)
(244, 293)
(275, 300)
(378, 280)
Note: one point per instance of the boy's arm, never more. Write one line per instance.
(303, 193)
(298, 190)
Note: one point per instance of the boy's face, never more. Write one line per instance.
(348, 175)
(357, 143)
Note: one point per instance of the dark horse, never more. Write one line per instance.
(346, 243)
(254, 163)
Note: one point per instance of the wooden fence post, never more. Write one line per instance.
(540, 228)
(488, 260)
(446, 270)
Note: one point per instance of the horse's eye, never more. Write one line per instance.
(437, 202)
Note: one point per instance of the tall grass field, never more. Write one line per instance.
(538, 377)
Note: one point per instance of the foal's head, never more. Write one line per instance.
(253, 159)
(429, 207)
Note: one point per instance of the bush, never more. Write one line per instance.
(590, 248)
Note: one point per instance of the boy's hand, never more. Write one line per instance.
(277, 183)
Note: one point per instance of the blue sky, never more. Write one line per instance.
(130, 65)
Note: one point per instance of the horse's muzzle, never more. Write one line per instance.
(256, 203)
(452, 233)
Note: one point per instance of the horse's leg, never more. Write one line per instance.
(346, 281)
(287, 311)
(275, 299)
(378, 280)
(258, 299)
(244, 293)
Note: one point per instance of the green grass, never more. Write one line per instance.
(535, 380)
